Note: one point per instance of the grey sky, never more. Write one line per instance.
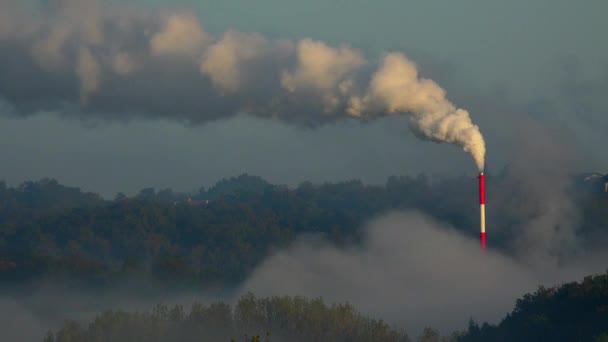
(505, 61)
(110, 157)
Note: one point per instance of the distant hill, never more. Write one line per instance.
(216, 237)
(45, 195)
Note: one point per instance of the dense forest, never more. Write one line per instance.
(215, 237)
(571, 312)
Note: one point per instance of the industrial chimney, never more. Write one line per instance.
(482, 208)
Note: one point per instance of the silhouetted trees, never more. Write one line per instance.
(576, 311)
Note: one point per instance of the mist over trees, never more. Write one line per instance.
(575, 311)
(250, 319)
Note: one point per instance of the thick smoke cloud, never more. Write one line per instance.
(116, 62)
(87, 70)
(181, 35)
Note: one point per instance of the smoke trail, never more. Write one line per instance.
(119, 62)
(396, 87)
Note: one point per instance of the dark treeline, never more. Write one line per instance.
(571, 312)
(250, 319)
(216, 237)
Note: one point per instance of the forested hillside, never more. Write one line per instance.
(571, 312)
(216, 237)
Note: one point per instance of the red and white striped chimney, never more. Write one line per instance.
(482, 208)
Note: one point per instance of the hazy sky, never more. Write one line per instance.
(507, 62)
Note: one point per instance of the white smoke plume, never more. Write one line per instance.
(180, 35)
(88, 73)
(396, 87)
(129, 62)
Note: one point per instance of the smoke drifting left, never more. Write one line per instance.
(119, 63)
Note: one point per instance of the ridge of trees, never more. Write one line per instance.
(216, 237)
